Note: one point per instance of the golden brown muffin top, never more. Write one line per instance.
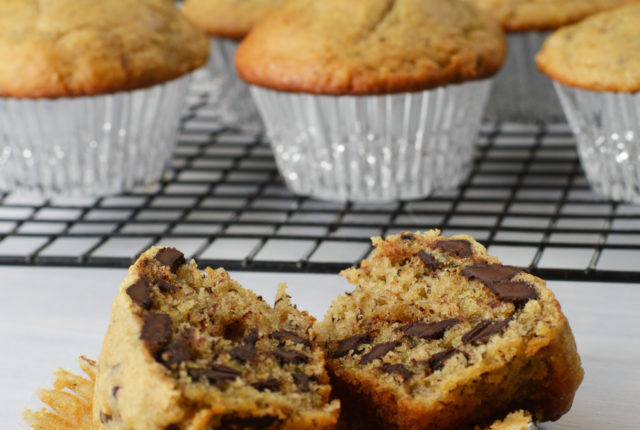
(601, 53)
(526, 15)
(55, 48)
(228, 18)
(370, 46)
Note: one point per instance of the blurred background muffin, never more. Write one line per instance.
(595, 65)
(91, 92)
(520, 93)
(227, 22)
(372, 99)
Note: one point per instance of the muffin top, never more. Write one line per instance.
(228, 18)
(56, 48)
(370, 46)
(601, 53)
(527, 15)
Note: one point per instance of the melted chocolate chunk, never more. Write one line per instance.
(431, 331)
(243, 353)
(171, 257)
(429, 261)
(139, 293)
(284, 335)
(302, 381)
(513, 292)
(216, 373)
(407, 236)
(270, 384)
(484, 329)
(399, 369)
(156, 332)
(455, 248)
(177, 351)
(239, 423)
(498, 279)
(105, 418)
(291, 357)
(166, 287)
(114, 391)
(490, 273)
(378, 351)
(436, 361)
(351, 344)
(251, 338)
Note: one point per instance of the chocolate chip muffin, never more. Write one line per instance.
(437, 334)
(188, 349)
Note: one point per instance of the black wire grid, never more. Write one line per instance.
(223, 203)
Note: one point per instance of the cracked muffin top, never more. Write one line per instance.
(526, 15)
(370, 46)
(231, 19)
(56, 48)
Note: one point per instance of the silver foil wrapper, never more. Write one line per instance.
(93, 145)
(520, 92)
(607, 128)
(374, 148)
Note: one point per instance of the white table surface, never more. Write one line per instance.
(50, 316)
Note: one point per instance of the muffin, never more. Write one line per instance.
(595, 66)
(437, 334)
(227, 22)
(91, 92)
(371, 99)
(520, 93)
(193, 350)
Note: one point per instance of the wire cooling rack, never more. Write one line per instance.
(223, 203)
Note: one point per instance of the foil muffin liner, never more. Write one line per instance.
(607, 128)
(92, 145)
(229, 96)
(520, 92)
(373, 148)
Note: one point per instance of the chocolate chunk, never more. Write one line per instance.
(139, 293)
(105, 418)
(513, 292)
(171, 257)
(292, 357)
(166, 287)
(407, 236)
(490, 273)
(172, 427)
(429, 261)
(233, 422)
(177, 351)
(399, 369)
(431, 331)
(251, 338)
(243, 353)
(497, 278)
(455, 248)
(436, 361)
(216, 373)
(484, 329)
(271, 384)
(302, 380)
(114, 391)
(378, 351)
(351, 343)
(284, 335)
(156, 332)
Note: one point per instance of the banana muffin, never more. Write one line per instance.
(437, 334)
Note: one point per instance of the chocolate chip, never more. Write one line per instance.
(302, 381)
(455, 248)
(233, 422)
(490, 273)
(431, 331)
(216, 373)
(484, 329)
(407, 236)
(156, 332)
(291, 357)
(399, 369)
(139, 293)
(243, 353)
(436, 361)
(351, 343)
(171, 257)
(177, 351)
(251, 338)
(429, 261)
(378, 351)
(513, 292)
(270, 384)
(114, 391)
(497, 278)
(166, 287)
(105, 418)
(284, 335)
(172, 427)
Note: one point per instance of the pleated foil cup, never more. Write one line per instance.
(520, 92)
(374, 148)
(94, 145)
(229, 95)
(607, 128)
